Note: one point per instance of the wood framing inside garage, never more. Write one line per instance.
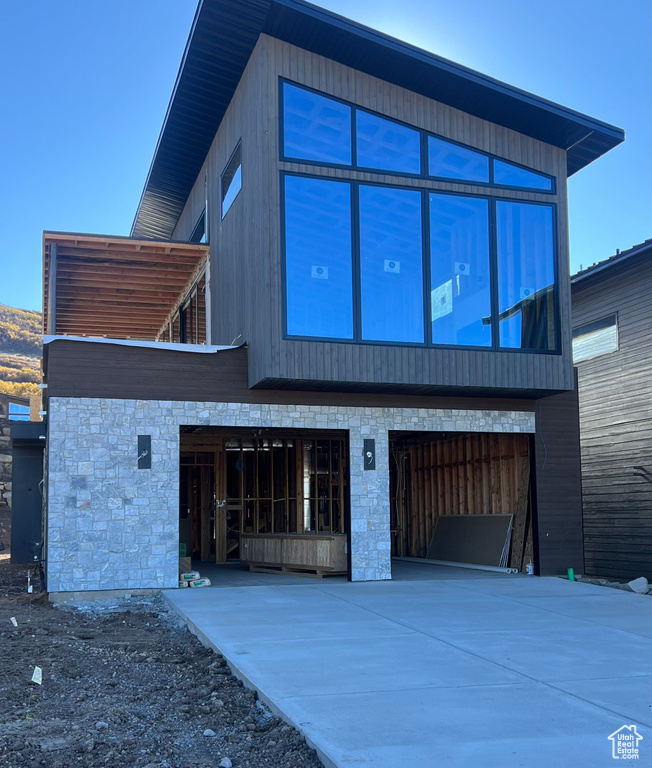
(433, 474)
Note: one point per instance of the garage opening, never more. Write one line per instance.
(435, 476)
(273, 499)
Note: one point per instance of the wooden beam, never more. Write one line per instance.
(52, 291)
(183, 294)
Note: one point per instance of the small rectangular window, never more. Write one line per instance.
(18, 412)
(595, 338)
(231, 180)
(199, 232)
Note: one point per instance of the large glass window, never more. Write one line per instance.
(391, 264)
(460, 273)
(315, 127)
(526, 275)
(386, 145)
(318, 260)
(508, 175)
(357, 257)
(451, 161)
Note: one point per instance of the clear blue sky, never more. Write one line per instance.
(85, 85)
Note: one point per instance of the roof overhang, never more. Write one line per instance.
(222, 37)
(118, 287)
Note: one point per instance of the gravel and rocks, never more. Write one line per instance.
(640, 585)
(124, 684)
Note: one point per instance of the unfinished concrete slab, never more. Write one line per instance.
(485, 670)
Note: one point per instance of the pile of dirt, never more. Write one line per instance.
(124, 684)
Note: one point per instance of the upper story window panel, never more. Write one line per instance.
(391, 265)
(526, 276)
(509, 175)
(385, 145)
(324, 130)
(452, 161)
(315, 128)
(460, 270)
(318, 258)
(371, 263)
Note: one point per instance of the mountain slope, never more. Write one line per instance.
(20, 351)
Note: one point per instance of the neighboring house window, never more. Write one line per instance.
(369, 263)
(231, 180)
(595, 338)
(18, 412)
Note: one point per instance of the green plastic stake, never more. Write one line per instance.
(571, 574)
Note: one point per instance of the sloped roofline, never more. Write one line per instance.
(223, 35)
(618, 258)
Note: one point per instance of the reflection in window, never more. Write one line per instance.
(526, 275)
(451, 161)
(460, 289)
(391, 259)
(318, 258)
(315, 127)
(508, 175)
(231, 180)
(386, 145)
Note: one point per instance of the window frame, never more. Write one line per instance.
(424, 134)
(592, 327)
(224, 192)
(426, 273)
(199, 233)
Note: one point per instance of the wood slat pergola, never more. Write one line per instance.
(116, 287)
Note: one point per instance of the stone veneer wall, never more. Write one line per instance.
(113, 526)
(5, 455)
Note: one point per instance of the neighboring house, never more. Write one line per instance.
(612, 348)
(11, 409)
(344, 310)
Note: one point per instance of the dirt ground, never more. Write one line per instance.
(124, 685)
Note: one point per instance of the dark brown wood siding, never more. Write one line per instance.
(558, 488)
(79, 369)
(246, 259)
(616, 422)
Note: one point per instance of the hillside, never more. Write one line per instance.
(20, 351)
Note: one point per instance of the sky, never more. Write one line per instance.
(85, 84)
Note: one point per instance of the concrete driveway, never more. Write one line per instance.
(475, 671)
